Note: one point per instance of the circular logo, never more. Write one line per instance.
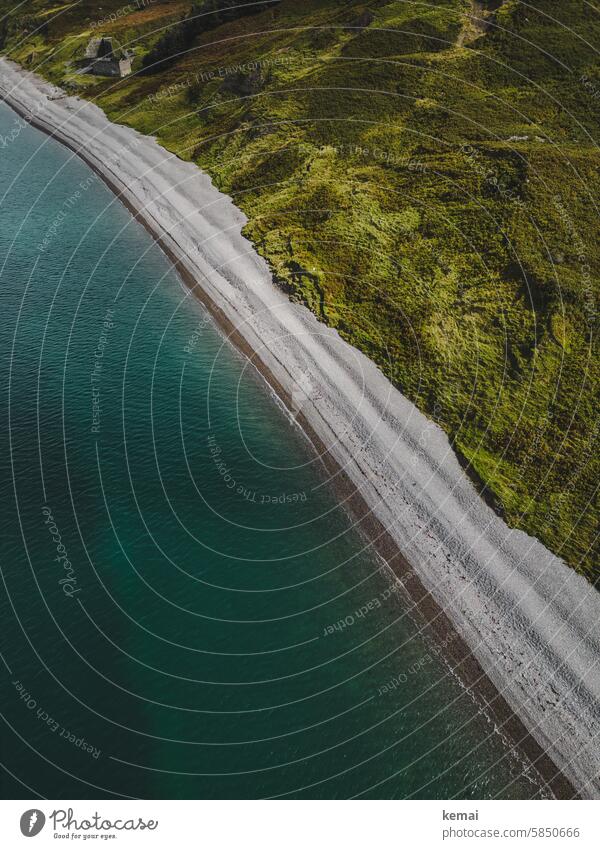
(32, 822)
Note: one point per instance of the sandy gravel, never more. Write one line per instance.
(532, 623)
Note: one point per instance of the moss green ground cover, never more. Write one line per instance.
(425, 183)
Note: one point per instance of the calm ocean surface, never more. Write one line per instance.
(172, 560)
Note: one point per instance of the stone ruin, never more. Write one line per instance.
(102, 59)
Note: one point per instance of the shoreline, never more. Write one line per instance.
(452, 586)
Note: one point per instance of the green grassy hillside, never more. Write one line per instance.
(423, 176)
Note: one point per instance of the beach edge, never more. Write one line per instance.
(437, 624)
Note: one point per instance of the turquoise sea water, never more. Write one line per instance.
(174, 559)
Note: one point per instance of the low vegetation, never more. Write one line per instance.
(423, 176)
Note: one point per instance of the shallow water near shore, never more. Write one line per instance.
(188, 611)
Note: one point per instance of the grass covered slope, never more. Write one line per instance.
(424, 176)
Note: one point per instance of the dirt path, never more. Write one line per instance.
(478, 22)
